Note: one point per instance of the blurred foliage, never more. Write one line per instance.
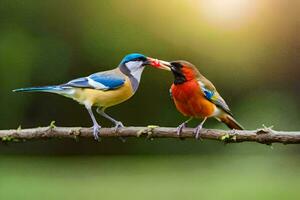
(155, 177)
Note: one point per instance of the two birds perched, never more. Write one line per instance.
(193, 95)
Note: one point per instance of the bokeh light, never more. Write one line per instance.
(229, 13)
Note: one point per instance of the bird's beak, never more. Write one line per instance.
(160, 64)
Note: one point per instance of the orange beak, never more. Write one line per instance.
(160, 64)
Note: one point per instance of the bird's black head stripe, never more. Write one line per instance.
(179, 77)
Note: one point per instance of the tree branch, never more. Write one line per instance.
(264, 136)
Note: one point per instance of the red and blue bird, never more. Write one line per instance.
(196, 97)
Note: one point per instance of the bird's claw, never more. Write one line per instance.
(96, 131)
(197, 131)
(116, 129)
(118, 125)
(180, 127)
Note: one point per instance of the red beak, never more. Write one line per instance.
(160, 64)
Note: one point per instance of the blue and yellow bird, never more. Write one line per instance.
(196, 97)
(103, 89)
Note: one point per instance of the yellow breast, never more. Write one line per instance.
(102, 98)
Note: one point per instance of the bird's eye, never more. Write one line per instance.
(133, 60)
(176, 65)
(139, 59)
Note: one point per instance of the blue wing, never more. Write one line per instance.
(213, 96)
(99, 81)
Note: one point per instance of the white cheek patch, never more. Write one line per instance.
(134, 65)
(95, 84)
(136, 69)
(138, 73)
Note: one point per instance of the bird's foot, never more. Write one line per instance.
(96, 131)
(117, 126)
(180, 127)
(197, 131)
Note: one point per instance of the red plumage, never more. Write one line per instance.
(190, 101)
(195, 96)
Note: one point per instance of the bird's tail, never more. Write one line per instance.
(230, 122)
(53, 89)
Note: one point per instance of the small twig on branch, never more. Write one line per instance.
(264, 136)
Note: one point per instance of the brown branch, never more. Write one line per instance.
(264, 136)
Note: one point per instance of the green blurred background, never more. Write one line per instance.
(248, 49)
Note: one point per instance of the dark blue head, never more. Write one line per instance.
(134, 57)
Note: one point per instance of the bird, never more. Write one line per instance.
(196, 97)
(103, 89)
